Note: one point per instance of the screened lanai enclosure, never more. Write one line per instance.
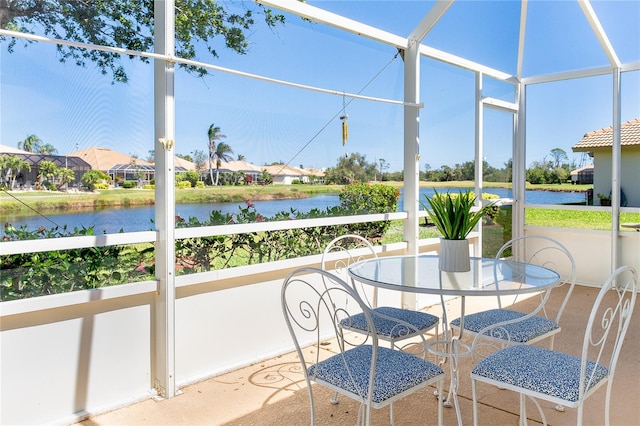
(421, 84)
(32, 176)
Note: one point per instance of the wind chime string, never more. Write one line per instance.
(344, 105)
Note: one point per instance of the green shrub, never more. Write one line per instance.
(199, 184)
(364, 198)
(191, 176)
(92, 177)
(128, 184)
(494, 210)
(101, 185)
(185, 184)
(60, 271)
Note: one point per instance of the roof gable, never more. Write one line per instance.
(603, 138)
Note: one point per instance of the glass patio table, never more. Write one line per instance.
(486, 277)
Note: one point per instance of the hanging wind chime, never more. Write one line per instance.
(345, 125)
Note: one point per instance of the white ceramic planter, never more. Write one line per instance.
(454, 255)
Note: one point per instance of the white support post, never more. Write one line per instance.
(519, 169)
(479, 149)
(411, 155)
(412, 145)
(163, 312)
(615, 169)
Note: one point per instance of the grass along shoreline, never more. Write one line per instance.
(27, 202)
(24, 202)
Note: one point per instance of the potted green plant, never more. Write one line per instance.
(455, 218)
(605, 200)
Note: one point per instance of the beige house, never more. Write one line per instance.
(286, 175)
(582, 175)
(283, 174)
(598, 145)
(280, 173)
(121, 166)
(248, 170)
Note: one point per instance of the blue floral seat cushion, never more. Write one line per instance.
(396, 372)
(540, 370)
(388, 328)
(519, 332)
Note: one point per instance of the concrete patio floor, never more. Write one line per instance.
(274, 392)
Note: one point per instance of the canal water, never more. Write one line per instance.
(134, 219)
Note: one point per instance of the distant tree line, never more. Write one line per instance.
(356, 168)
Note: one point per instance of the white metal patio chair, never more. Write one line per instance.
(345, 250)
(317, 305)
(561, 378)
(506, 326)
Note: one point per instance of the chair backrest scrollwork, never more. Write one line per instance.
(607, 326)
(344, 251)
(547, 252)
(315, 303)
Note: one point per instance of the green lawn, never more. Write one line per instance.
(576, 218)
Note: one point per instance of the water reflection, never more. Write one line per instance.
(133, 219)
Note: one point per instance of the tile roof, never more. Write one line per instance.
(237, 166)
(105, 158)
(313, 171)
(273, 169)
(185, 164)
(283, 170)
(582, 169)
(4, 149)
(603, 138)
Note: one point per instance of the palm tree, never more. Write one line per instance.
(48, 170)
(47, 149)
(64, 177)
(10, 168)
(223, 153)
(31, 143)
(214, 135)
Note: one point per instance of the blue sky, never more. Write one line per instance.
(69, 106)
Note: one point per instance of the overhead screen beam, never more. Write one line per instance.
(328, 18)
(429, 20)
(322, 16)
(448, 58)
(590, 14)
(500, 105)
(569, 75)
(521, 36)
